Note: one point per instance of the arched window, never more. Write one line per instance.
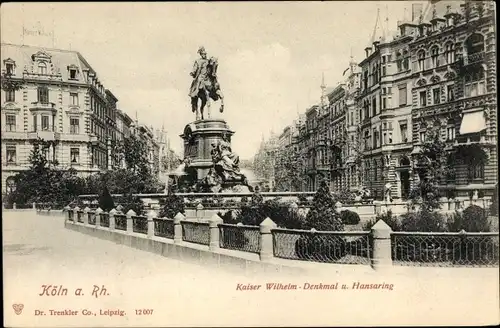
(42, 68)
(421, 60)
(450, 53)
(404, 161)
(474, 44)
(435, 56)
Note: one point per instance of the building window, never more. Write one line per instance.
(450, 133)
(42, 68)
(399, 62)
(475, 83)
(422, 136)
(43, 95)
(75, 155)
(435, 56)
(375, 138)
(374, 106)
(72, 73)
(35, 123)
(10, 95)
(74, 126)
(421, 60)
(436, 95)
(11, 155)
(406, 60)
(9, 68)
(10, 123)
(384, 103)
(450, 92)
(45, 123)
(74, 99)
(423, 98)
(403, 127)
(449, 53)
(476, 171)
(402, 95)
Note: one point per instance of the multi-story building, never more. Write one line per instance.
(453, 58)
(264, 162)
(148, 137)
(62, 101)
(385, 105)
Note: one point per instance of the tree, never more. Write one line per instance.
(432, 165)
(106, 202)
(322, 215)
(288, 173)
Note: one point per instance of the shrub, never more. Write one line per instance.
(472, 219)
(423, 221)
(349, 217)
(494, 203)
(172, 205)
(322, 215)
(228, 217)
(302, 199)
(256, 211)
(106, 201)
(391, 220)
(134, 203)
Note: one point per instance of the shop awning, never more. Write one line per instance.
(473, 122)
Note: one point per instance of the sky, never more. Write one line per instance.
(271, 54)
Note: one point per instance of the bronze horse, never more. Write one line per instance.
(211, 90)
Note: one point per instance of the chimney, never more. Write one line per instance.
(416, 11)
(368, 51)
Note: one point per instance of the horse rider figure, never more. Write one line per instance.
(205, 85)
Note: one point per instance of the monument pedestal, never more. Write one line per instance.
(198, 138)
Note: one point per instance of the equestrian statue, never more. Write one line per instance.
(205, 85)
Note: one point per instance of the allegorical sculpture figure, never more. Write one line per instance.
(205, 85)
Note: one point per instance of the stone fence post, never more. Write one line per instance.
(178, 228)
(213, 224)
(266, 239)
(75, 214)
(382, 255)
(152, 215)
(34, 206)
(112, 220)
(86, 215)
(67, 209)
(130, 220)
(14, 206)
(98, 212)
(200, 213)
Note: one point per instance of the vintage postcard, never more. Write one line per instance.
(308, 163)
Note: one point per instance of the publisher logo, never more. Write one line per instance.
(18, 308)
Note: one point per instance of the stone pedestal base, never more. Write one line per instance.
(198, 138)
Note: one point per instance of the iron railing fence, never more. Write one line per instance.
(120, 222)
(104, 220)
(195, 232)
(240, 237)
(344, 247)
(91, 217)
(479, 249)
(140, 224)
(79, 216)
(164, 227)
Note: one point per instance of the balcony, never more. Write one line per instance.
(45, 135)
(474, 58)
(43, 106)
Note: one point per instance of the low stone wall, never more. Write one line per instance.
(233, 261)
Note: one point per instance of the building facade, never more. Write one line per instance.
(438, 66)
(453, 58)
(62, 101)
